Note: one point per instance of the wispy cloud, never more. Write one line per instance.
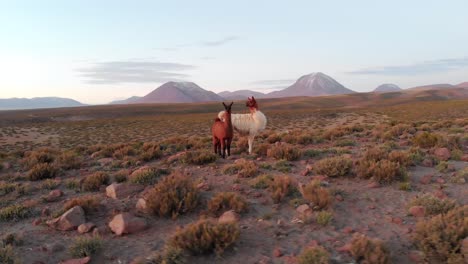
(204, 43)
(219, 42)
(117, 72)
(425, 67)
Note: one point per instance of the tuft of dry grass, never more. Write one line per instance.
(85, 247)
(15, 212)
(261, 182)
(334, 166)
(426, 140)
(281, 187)
(150, 151)
(173, 195)
(88, 203)
(7, 255)
(42, 171)
(225, 201)
(68, 160)
(244, 168)
(432, 204)
(284, 152)
(367, 250)
(206, 236)
(324, 218)
(314, 255)
(440, 237)
(199, 157)
(146, 175)
(382, 171)
(318, 196)
(94, 181)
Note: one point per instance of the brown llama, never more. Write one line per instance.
(223, 133)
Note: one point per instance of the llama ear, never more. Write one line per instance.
(224, 105)
(253, 98)
(231, 104)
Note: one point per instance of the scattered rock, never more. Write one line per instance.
(127, 224)
(416, 256)
(345, 248)
(104, 161)
(45, 212)
(427, 163)
(204, 186)
(77, 261)
(229, 217)
(426, 179)
(442, 153)
(237, 187)
(54, 195)
(277, 252)
(122, 190)
(373, 185)
(440, 180)
(339, 198)
(70, 220)
(348, 230)
(141, 205)
(37, 222)
(440, 194)
(417, 211)
(303, 209)
(86, 227)
(397, 220)
(465, 158)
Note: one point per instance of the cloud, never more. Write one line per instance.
(425, 67)
(219, 42)
(117, 72)
(274, 82)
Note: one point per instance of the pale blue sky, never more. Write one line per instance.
(98, 51)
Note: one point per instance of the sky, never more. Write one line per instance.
(99, 51)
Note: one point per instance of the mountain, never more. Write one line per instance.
(433, 87)
(37, 102)
(179, 92)
(314, 84)
(387, 87)
(462, 85)
(240, 94)
(126, 101)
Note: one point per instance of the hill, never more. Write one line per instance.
(179, 92)
(37, 102)
(240, 94)
(387, 87)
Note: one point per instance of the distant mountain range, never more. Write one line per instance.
(37, 102)
(387, 87)
(314, 84)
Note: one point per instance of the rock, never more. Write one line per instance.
(339, 198)
(426, 179)
(45, 212)
(464, 248)
(416, 256)
(440, 180)
(373, 185)
(305, 172)
(303, 209)
(70, 220)
(277, 252)
(237, 187)
(203, 186)
(427, 163)
(86, 227)
(127, 224)
(229, 217)
(77, 261)
(54, 195)
(442, 153)
(345, 248)
(348, 230)
(417, 211)
(440, 194)
(141, 205)
(122, 190)
(464, 158)
(37, 222)
(397, 220)
(105, 161)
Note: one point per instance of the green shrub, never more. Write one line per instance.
(261, 182)
(324, 218)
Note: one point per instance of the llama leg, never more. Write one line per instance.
(229, 141)
(251, 139)
(223, 148)
(215, 145)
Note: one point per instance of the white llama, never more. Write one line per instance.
(248, 124)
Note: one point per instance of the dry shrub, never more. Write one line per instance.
(85, 247)
(334, 166)
(319, 197)
(14, 212)
(367, 250)
(400, 129)
(122, 152)
(382, 171)
(452, 142)
(284, 151)
(241, 145)
(314, 255)
(440, 237)
(6, 188)
(146, 175)
(401, 157)
(432, 204)
(244, 168)
(168, 255)
(261, 182)
(225, 201)
(261, 149)
(199, 157)
(206, 236)
(426, 140)
(121, 175)
(89, 203)
(273, 138)
(150, 151)
(32, 158)
(173, 195)
(68, 160)
(324, 217)
(7, 255)
(281, 187)
(94, 181)
(334, 133)
(42, 171)
(375, 154)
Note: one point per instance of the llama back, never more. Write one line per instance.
(247, 123)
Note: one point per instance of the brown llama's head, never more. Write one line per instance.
(251, 103)
(228, 107)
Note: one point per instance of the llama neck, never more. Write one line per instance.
(228, 121)
(253, 109)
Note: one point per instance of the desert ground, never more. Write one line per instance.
(336, 179)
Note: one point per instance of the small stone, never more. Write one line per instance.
(303, 209)
(339, 198)
(70, 220)
(277, 253)
(37, 222)
(141, 205)
(397, 220)
(122, 190)
(45, 212)
(465, 158)
(237, 187)
(417, 211)
(426, 179)
(373, 185)
(442, 154)
(440, 194)
(54, 195)
(348, 230)
(127, 224)
(77, 261)
(427, 163)
(86, 227)
(440, 180)
(345, 248)
(229, 217)
(416, 256)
